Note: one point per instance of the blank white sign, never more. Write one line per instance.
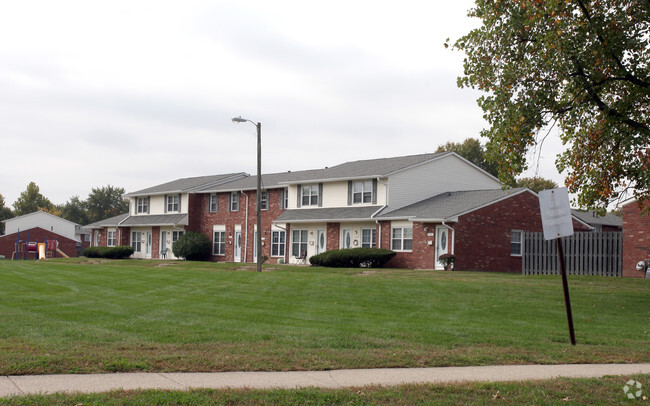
(556, 213)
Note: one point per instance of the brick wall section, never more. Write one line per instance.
(202, 221)
(37, 234)
(636, 239)
(333, 236)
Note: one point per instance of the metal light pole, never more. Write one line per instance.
(258, 240)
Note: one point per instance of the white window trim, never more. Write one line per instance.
(363, 191)
(232, 199)
(401, 239)
(222, 231)
(175, 201)
(521, 242)
(300, 243)
(279, 244)
(213, 202)
(108, 237)
(136, 243)
(373, 237)
(313, 192)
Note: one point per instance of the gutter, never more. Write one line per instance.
(245, 235)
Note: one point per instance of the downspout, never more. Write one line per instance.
(453, 233)
(246, 235)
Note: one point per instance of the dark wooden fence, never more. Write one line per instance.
(585, 254)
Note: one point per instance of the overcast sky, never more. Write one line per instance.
(138, 93)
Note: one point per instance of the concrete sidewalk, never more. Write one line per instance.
(32, 384)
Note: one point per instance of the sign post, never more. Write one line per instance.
(557, 223)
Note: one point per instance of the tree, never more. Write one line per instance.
(192, 246)
(75, 210)
(472, 150)
(536, 184)
(579, 64)
(105, 202)
(31, 200)
(5, 214)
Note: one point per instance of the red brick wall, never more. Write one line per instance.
(636, 239)
(333, 236)
(37, 234)
(202, 221)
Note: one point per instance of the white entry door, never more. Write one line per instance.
(321, 241)
(237, 246)
(148, 242)
(442, 244)
(347, 238)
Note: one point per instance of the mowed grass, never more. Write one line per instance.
(561, 391)
(85, 316)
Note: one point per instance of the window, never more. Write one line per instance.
(173, 203)
(219, 243)
(141, 205)
(362, 192)
(285, 199)
(234, 201)
(87, 237)
(176, 235)
(277, 243)
(309, 195)
(136, 241)
(264, 200)
(110, 238)
(402, 239)
(516, 243)
(213, 203)
(298, 242)
(369, 237)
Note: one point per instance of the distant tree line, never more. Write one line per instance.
(102, 203)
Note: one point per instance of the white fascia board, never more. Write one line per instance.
(326, 180)
(307, 221)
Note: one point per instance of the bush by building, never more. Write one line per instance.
(353, 258)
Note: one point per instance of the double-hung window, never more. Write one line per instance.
(277, 243)
(362, 192)
(234, 201)
(298, 242)
(219, 242)
(213, 203)
(176, 235)
(369, 237)
(110, 238)
(402, 239)
(141, 205)
(285, 199)
(173, 203)
(264, 200)
(516, 243)
(309, 195)
(136, 241)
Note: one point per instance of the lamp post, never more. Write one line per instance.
(258, 240)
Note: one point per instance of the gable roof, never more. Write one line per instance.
(38, 213)
(269, 181)
(594, 219)
(450, 205)
(188, 184)
(109, 222)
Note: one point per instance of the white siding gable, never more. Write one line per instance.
(43, 220)
(449, 173)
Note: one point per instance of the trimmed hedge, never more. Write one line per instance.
(193, 247)
(353, 258)
(122, 251)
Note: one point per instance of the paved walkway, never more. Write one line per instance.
(31, 384)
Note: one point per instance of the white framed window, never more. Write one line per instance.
(219, 241)
(369, 237)
(234, 201)
(110, 238)
(176, 235)
(402, 238)
(516, 243)
(213, 203)
(173, 203)
(142, 205)
(264, 200)
(285, 199)
(309, 195)
(136, 241)
(278, 243)
(362, 192)
(299, 240)
(87, 237)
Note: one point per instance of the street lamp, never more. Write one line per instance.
(258, 241)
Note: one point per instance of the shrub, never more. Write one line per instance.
(192, 246)
(122, 251)
(447, 260)
(353, 258)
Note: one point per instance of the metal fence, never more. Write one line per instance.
(585, 253)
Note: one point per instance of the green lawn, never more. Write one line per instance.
(84, 316)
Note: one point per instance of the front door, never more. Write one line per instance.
(347, 238)
(321, 241)
(147, 252)
(442, 244)
(237, 246)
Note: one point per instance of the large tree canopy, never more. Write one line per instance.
(105, 202)
(582, 65)
(32, 200)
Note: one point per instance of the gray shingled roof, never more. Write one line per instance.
(450, 204)
(269, 181)
(188, 184)
(327, 214)
(157, 220)
(593, 219)
(109, 222)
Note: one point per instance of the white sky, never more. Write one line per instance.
(138, 93)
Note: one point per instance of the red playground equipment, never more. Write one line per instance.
(25, 248)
